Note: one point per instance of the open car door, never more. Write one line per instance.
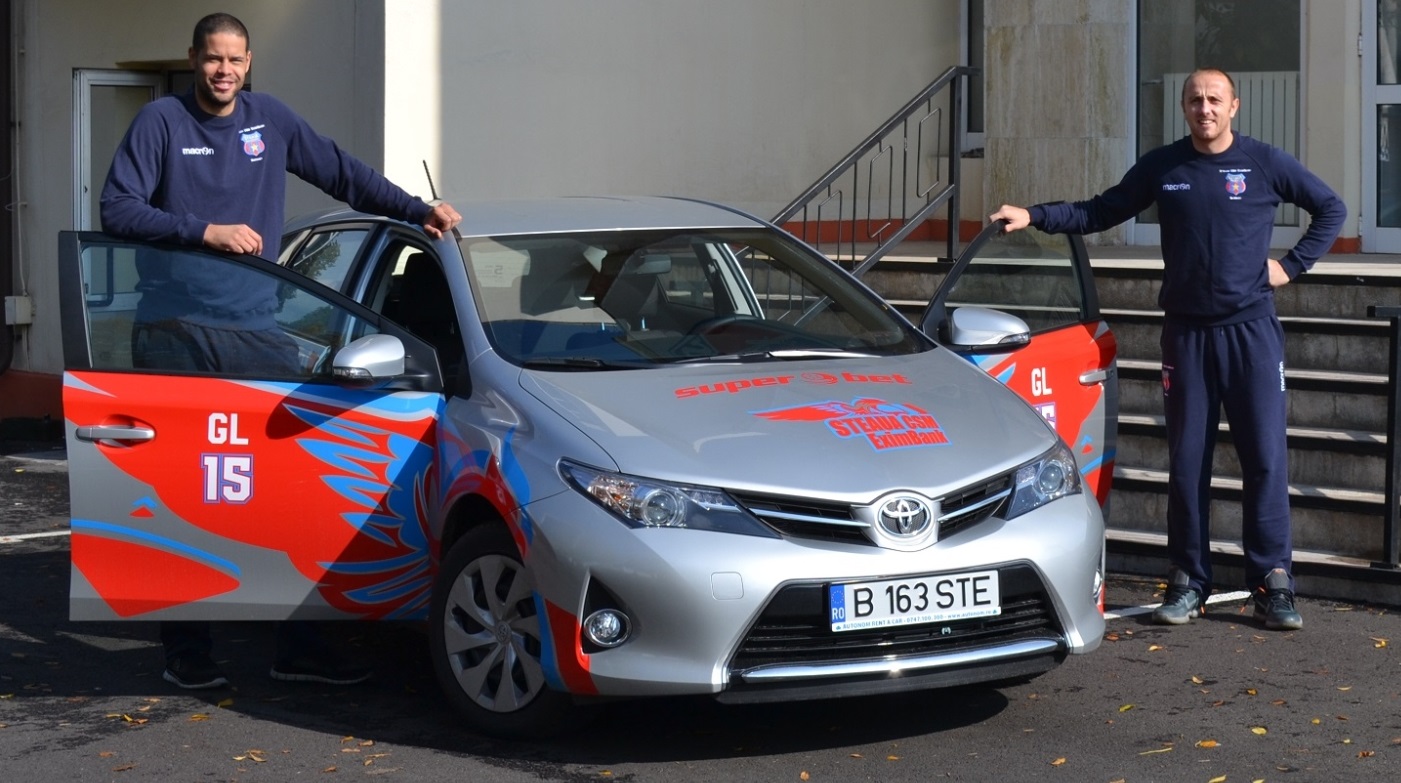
(1066, 369)
(303, 489)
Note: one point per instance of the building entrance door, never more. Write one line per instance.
(1381, 127)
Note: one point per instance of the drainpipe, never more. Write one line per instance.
(7, 225)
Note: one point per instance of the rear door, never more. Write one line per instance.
(1067, 371)
(209, 494)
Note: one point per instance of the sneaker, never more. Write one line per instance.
(1274, 603)
(194, 671)
(1182, 602)
(327, 668)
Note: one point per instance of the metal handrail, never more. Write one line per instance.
(916, 199)
(1391, 542)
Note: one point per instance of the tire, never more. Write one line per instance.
(485, 640)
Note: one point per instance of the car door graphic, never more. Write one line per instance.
(211, 484)
(1067, 370)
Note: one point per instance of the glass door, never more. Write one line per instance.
(104, 103)
(1381, 126)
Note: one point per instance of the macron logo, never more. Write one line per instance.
(1177, 186)
(196, 150)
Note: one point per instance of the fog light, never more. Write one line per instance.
(607, 627)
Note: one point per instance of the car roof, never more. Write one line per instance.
(569, 214)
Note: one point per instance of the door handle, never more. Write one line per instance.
(1094, 376)
(115, 432)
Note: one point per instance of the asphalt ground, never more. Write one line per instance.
(1220, 699)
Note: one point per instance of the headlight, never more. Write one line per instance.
(642, 502)
(1037, 483)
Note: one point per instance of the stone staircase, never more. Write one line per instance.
(1337, 372)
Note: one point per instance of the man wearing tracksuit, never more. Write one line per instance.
(1222, 344)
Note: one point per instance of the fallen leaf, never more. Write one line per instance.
(1366, 754)
(803, 775)
(1126, 708)
(1196, 680)
(1250, 692)
(1279, 702)
(1154, 647)
(857, 756)
(1315, 721)
(1379, 643)
(1220, 779)
(1347, 741)
(1058, 762)
(331, 768)
(123, 767)
(892, 758)
(1344, 687)
(1259, 731)
(199, 716)
(366, 743)
(1207, 743)
(1150, 752)
(225, 704)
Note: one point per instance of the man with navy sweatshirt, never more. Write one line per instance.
(209, 168)
(1222, 344)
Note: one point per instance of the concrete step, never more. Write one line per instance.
(1342, 522)
(1343, 459)
(1348, 345)
(1318, 400)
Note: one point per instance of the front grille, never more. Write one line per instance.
(794, 628)
(828, 521)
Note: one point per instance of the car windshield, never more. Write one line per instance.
(620, 299)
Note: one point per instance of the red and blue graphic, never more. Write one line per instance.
(337, 483)
(883, 425)
(1235, 184)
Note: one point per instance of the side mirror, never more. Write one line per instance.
(987, 329)
(371, 359)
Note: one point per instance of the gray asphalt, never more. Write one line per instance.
(1218, 697)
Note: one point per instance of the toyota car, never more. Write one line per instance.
(609, 447)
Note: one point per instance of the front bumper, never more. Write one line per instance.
(746, 618)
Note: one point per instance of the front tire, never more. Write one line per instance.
(485, 639)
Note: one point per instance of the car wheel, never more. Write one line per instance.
(486, 639)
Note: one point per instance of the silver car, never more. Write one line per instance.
(609, 447)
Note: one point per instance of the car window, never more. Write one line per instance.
(1030, 274)
(326, 256)
(661, 296)
(159, 310)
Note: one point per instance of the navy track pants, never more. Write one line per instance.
(1240, 368)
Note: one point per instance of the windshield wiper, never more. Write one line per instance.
(791, 354)
(578, 363)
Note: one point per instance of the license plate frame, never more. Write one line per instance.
(913, 600)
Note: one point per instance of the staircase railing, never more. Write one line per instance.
(842, 210)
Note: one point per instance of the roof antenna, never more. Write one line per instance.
(433, 191)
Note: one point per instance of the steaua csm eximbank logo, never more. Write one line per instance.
(884, 425)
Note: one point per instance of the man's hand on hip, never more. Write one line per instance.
(1278, 276)
(233, 239)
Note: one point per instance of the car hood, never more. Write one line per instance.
(843, 429)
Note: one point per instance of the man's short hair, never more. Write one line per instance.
(1199, 71)
(217, 23)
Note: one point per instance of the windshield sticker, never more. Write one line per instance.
(817, 378)
(884, 425)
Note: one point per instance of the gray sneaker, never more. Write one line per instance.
(1274, 603)
(1182, 602)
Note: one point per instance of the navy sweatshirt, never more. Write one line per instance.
(1216, 213)
(179, 169)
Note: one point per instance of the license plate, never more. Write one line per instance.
(925, 599)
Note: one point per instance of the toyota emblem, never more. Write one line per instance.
(905, 516)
